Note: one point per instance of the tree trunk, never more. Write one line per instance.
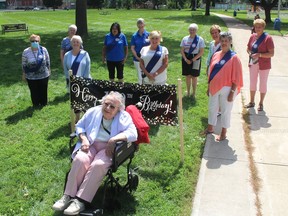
(268, 14)
(81, 18)
(207, 11)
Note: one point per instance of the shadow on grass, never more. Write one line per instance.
(188, 102)
(164, 178)
(116, 203)
(21, 115)
(59, 99)
(62, 131)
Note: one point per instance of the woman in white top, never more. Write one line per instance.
(154, 60)
(192, 48)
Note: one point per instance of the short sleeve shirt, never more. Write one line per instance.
(187, 41)
(267, 44)
(115, 47)
(139, 41)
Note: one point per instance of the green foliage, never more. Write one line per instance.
(34, 142)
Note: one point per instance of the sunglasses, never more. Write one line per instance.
(34, 41)
(111, 106)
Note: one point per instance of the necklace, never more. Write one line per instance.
(106, 124)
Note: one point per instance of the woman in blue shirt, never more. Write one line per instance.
(139, 39)
(115, 51)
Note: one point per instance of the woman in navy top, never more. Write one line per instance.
(139, 39)
(115, 51)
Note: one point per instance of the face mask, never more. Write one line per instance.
(34, 45)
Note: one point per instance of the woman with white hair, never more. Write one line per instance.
(154, 60)
(77, 60)
(192, 48)
(98, 130)
(65, 44)
(138, 41)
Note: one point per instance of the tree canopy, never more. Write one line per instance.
(52, 3)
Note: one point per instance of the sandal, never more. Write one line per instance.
(206, 132)
(260, 107)
(249, 105)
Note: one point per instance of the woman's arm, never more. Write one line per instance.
(184, 56)
(104, 54)
(201, 52)
(163, 67)
(126, 54)
(134, 52)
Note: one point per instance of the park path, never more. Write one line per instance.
(224, 187)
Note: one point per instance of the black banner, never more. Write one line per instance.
(158, 103)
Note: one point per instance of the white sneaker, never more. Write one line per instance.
(75, 207)
(62, 204)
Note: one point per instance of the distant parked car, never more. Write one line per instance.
(36, 9)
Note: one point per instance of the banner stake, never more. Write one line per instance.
(180, 111)
(72, 114)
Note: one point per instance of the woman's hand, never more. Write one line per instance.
(110, 147)
(230, 96)
(255, 55)
(151, 77)
(188, 61)
(85, 145)
(124, 60)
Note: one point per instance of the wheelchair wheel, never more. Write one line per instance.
(134, 182)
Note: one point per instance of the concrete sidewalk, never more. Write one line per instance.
(224, 187)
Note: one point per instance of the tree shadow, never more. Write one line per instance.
(62, 131)
(163, 178)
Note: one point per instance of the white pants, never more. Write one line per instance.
(139, 71)
(220, 98)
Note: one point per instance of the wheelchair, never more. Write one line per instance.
(123, 151)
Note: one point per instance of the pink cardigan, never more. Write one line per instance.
(230, 73)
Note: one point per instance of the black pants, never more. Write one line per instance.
(38, 91)
(111, 68)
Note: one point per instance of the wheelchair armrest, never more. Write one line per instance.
(122, 151)
(73, 135)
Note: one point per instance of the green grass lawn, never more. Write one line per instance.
(34, 143)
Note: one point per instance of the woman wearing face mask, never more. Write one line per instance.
(36, 70)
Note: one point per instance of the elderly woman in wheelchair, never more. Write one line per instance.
(98, 131)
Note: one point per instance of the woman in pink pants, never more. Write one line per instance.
(98, 130)
(260, 49)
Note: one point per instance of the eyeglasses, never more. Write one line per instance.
(111, 106)
(34, 41)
